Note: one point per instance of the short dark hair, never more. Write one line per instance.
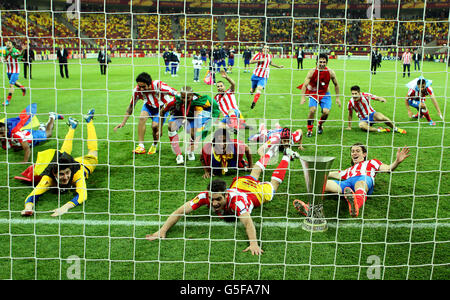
(145, 78)
(322, 55)
(217, 186)
(355, 88)
(421, 81)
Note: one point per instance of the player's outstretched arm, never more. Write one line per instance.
(26, 151)
(185, 209)
(402, 154)
(350, 118)
(377, 98)
(410, 114)
(305, 84)
(127, 115)
(229, 79)
(247, 221)
(436, 105)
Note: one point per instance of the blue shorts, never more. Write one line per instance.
(258, 81)
(153, 113)
(369, 119)
(231, 62)
(353, 180)
(220, 64)
(204, 58)
(227, 117)
(13, 77)
(414, 103)
(324, 103)
(199, 123)
(39, 136)
(246, 62)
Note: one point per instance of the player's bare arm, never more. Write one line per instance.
(402, 154)
(410, 114)
(350, 117)
(127, 116)
(185, 209)
(250, 229)
(436, 105)
(276, 66)
(248, 155)
(305, 84)
(228, 78)
(377, 98)
(26, 151)
(334, 175)
(336, 87)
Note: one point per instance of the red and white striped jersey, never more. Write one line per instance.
(368, 167)
(237, 202)
(226, 101)
(12, 63)
(19, 137)
(415, 95)
(262, 69)
(362, 106)
(159, 95)
(406, 58)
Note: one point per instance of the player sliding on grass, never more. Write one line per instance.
(360, 102)
(419, 88)
(244, 194)
(357, 181)
(25, 139)
(59, 169)
(277, 136)
(158, 97)
(316, 87)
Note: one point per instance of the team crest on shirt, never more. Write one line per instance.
(195, 200)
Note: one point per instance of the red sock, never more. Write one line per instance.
(9, 97)
(280, 171)
(255, 99)
(427, 115)
(361, 197)
(174, 141)
(310, 127)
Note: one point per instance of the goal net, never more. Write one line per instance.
(384, 47)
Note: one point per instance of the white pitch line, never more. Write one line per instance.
(291, 224)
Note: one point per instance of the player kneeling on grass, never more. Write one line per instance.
(25, 139)
(244, 194)
(357, 181)
(419, 88)
(58, 168)
(224, 153)
(360, 102)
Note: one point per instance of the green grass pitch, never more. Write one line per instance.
(405, 223)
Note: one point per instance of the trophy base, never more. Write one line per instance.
(316, 226)
(315, 221)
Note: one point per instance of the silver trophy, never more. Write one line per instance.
(315, 169)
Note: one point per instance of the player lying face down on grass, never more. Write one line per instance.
(58, 169)
(25, 139)
(196, 113)
(360, 102)
(224, 153)
(276, 136)
(357, 181)
(418, 90)
(158, 98)
(238, 201)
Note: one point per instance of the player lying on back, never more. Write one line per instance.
(357, 181)
(360, 102)
(244, 194)
(228, 104)
(224, 153)
(58, 169)
(158, 98)
(276, 136)
(419, 88)
(28, 138)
